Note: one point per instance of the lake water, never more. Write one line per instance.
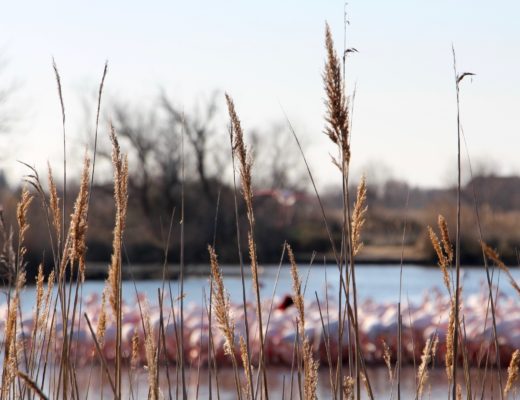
(378, 282)
(279, 380)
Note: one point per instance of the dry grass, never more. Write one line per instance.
(310, 366)
(27, 372)
(245, 163)
(444, 252)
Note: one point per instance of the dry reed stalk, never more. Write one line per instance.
(512, 371)
(458, 80)
(9, 346)
(422, 373)
(310, 372)
(12, 345)
(297, 289)
(120, 166)
(33, 179)
(399, 313)
(249, 371)
(101, 356)
(450, 341)
(310, 366)
(444, 252)
(338, 129)
(151, 357)
(337, 256)
(62, 106)
(491, 301)
(31, 384)
(272, 301)
(358, 215)
(38, 310)
(366, 384)
(245, 364)
(45, 326)
(245, 166)
(74, 252)
(181, 273)
(98, 112)
(162, 338)
(47, 301)
(7, 255)
(326, 333)
(300, 320)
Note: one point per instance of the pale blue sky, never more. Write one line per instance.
(270, 53)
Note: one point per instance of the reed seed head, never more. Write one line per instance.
(47, 302)
(493, 256)
(446, 243)
(245, 364)
(39, 289)
(442, 259)
(450, 340)
(337, 114)
(102, 321)
(459, 392)
(310, 370)
(151, 355)
(512, 371)
(387, 357)
(297, 288)
(54, 204)
(358, 216)
(422, 373)
(21, 216)
(221, 306)
(78, 223)
(244, 158)
(348, 388)
(134, 360)
(120, 166)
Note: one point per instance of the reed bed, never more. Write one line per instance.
(46, 363)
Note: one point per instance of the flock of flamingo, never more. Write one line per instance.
(377, 323)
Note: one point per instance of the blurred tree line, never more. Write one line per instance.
(176, 154)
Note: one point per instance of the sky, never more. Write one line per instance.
(269, 56)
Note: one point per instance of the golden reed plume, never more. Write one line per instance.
(337, 115)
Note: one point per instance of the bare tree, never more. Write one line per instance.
(153, 137)
(6, 92)
(199, 128)
(277, 161)
(155, 150)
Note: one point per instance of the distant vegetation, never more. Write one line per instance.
(165, 203)
(284, 213)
